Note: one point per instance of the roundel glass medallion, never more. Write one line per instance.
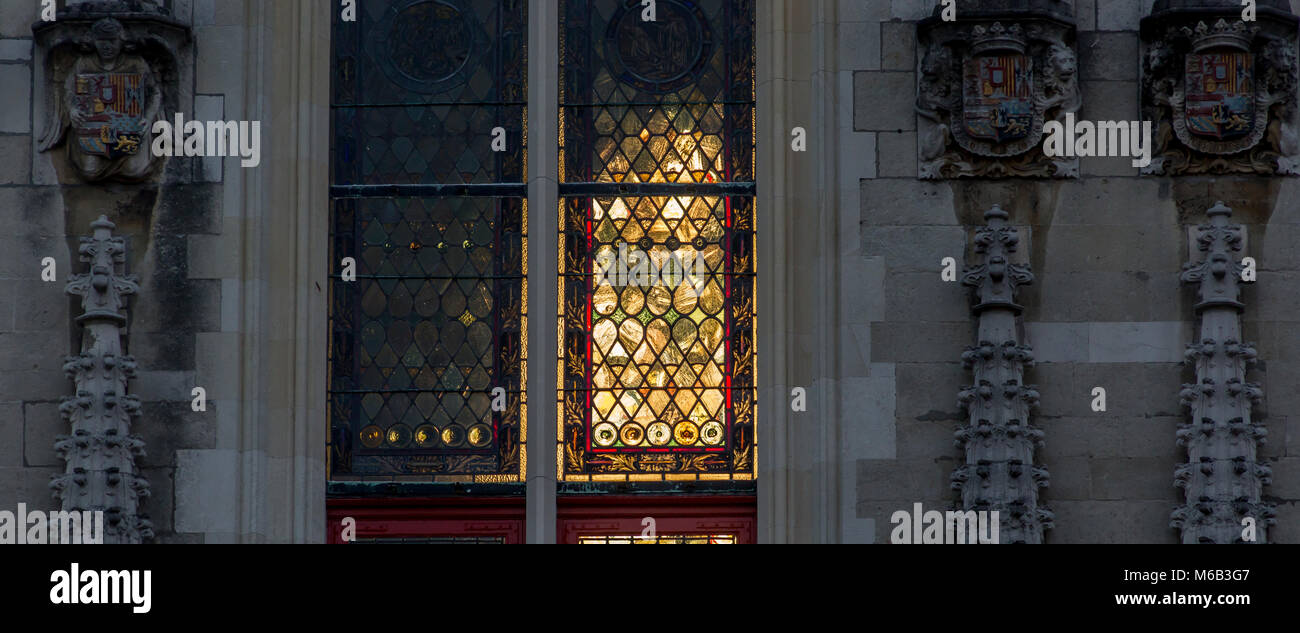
(660, 55)
(426, 46)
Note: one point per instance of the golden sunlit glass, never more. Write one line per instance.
(657, 242)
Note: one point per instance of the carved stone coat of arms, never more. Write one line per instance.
(997, 98)
(986, 89)
(106, 82)
(1221, 92)
(109, 112)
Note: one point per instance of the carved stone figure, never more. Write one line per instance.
(1223, 477)
(1221, 92)
(935, 95)
(109, 75)
(988, 83)
(998, 472)
(1060, 86)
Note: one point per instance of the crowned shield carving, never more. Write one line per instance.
(986, 89)
(1221, 93)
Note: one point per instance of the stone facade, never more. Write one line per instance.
(48, 207)
(196, 235)
(1106, 309)
(853, 303)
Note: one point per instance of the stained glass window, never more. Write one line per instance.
(656, 241)
(427, 197)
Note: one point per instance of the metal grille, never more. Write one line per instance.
(431, 206)
(656, 240)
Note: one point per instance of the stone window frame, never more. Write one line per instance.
(789, 508)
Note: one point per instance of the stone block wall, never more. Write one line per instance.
(178, 242)
(1106, 310)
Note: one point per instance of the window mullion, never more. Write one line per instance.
(543, 243)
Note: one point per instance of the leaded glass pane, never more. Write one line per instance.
(447, 144)
(656, 241)
(431, 51)
(426, 342)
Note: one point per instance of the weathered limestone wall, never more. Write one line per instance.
(178, 242)
(1105, 310)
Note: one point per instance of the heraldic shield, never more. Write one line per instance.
(997, 97)
(1220, 96)
(985, 90)
(113, 104)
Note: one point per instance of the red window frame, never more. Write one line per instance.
(673, 514)
(428, 517)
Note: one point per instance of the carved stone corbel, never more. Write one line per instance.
(1221, 92)
(987, 84)
(1223, 478)
(100, 472)
(998, 473)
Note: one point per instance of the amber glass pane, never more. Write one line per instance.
(656, 241)
(657, 353)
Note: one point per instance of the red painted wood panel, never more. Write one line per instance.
(673, 515)
(441, 518)
(502, 520)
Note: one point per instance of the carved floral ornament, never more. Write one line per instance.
(986, 88)
(1221, 92)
